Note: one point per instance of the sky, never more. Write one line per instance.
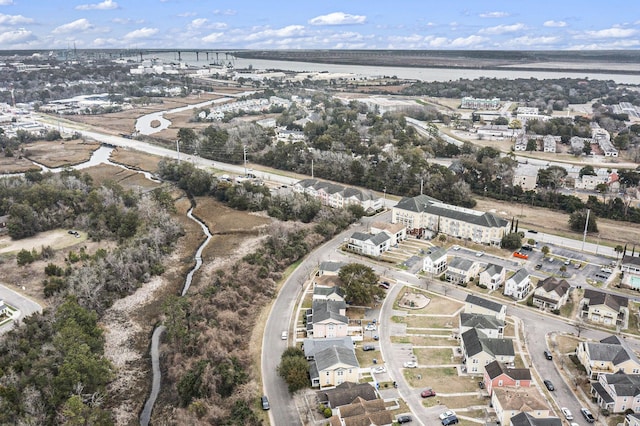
(320, 24)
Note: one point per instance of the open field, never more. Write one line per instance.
(51, 154)
(425, 341)
(430, 322)
(135, 159)
(435, 356)
(442, 380)
(437, 305)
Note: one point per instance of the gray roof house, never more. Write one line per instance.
(493, 276)
(330, 268)
(368, 244)
(551, 293)
(518, 285)
(526, 419)
(435, 261)
(479, 350)
(617, 392)
(460, 270)
(609, 355)
(333, 366)
(313, 346)
(606, 308)
(478, 305)
(346, 393)
(488, 324)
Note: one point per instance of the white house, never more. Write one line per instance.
(518, 285)
(435, 262)
(369, 245)
(493, 276)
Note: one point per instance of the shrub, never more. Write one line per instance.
(327, 412)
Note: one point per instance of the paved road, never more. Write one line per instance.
(157, 376)
(24, 305)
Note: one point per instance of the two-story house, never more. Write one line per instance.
(518, 285)
(605, 308)
(509, 402)
(327, 318)
(478, 305)
(490, 325)
(397, 232)
(551, 293)
(368, 244)
(435, 261)
(479, 350)
(498, 375)
(617, 392)
(346, 393)
(330, 268)
(607, 356)
(461, 270)
(312, 346)
(333, 366)
(493, 276)
(333, 293)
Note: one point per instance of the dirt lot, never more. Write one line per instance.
(51, 154)
(135, 159)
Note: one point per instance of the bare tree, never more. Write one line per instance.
(579, 326)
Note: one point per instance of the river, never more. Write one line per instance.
(415, 73)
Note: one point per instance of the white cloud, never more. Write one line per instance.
(502, 29)
(338, 18)
(556, 24)
(14, 20)
(105, 42)
(213, 37)
(77, 25)
(530, 41)
(6, 2)
(288, 31)
(472, 40)
(227, 12)
(141, 33)
(618, 44)
(197, 23)
(494, 15)
(17, 36)
(125, 21)
(105, 5)
(187, 14)
(615, 32)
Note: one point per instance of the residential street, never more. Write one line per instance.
(25, 306)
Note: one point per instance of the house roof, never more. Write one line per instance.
(329, 309)
(495, 369)
(624, 384)
(480, 321)
(346, 393)
(362, 406)
(526, 419)
(492, 269)
(610, 349)
(484, 303)
(376, 239)
(613, 301)
(521, 275)
(313, 346)
(331, 266)
(600, 390)
(552, 284)
(436, 253)
(461, 263)
(333, 355)
(394, 228)
(325, 281)
(327, 291)
(334, 188)
(426, 204)
(476, 342)
(631, 260)
(520, 399)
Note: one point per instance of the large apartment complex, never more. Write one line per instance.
(427, 213)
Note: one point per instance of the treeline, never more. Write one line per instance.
(52, 367)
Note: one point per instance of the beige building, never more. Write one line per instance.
(425, 213)
(605, 308)
(479, 350)
(551, 293)
(396, 231)
(607, 356)
(334, 366)
(526, 176)
(477, 305)
(493, 276)
(617, 392)
(460, 270)
(509, 402)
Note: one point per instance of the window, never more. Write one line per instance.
(499, 382)
(340, 373)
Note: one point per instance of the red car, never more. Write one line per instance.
(427, 393)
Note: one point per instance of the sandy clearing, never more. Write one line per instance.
(57, 239)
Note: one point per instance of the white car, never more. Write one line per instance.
(410, 364)
(284, 335)
(370, 327)
(456, 248)
(567, 414)
(480, 254)
(380, 369)
(446, 414)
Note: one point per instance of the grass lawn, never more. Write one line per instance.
(430, 322)
(458, 402)
(615, 420)
(442, 380)
(509, 330)
(567, 344)
(425, 341)
(365, 358)
(434, 356)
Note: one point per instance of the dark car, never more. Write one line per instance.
(404, 419)
(526, 248)
(538, 266)
(481, 384)
(450, 421)
(368, 348)
(265, 402)
(385, 285)
(547, 355)
(533, 231)
(549, 385)
(587, 415)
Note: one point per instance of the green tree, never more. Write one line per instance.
(360, 284)
(618, 249)
(532, 145)
(22, 221)
(545, 250)
(578, 219)
(24, 257)
(294, 369)
(511, 241)
(76, 413)
(587, 170)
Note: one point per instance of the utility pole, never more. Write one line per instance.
(311, 167)
(421, 185)
(244, 151)
(178, 150)
(586, 224)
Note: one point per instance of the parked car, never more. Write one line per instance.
(385, 285)
(567, 262)
(449, 421)
(448, 413)
(427, 393)
(538, 266)
(587, 415)
(379, 370)
(520, 255)
(404, 419)
(370, 327)
(456, 247)
(567, 414)
(265, 402)
(549, 385)
(532, 231)
(284, 335)
(368, 348)
(481, 384)
(480, 253)
(547, 354)
(410, 364)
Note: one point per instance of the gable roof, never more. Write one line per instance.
(526, 419)
(313, 346)
(484, 303)
(624, 384)
(476, 342)
(436, 253)
(329, 309)
(495, 369)
(461, 263)
(520, 276)
(631, 260)
(346, 393)
(520, 399)
(493, 269)
(327, 291)
(480, 321)
(333, 355)
(610, 349)
(426, 204)
(613, 301)
(331, 266)
(552, 284)
(393, 228)
(376, 239)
